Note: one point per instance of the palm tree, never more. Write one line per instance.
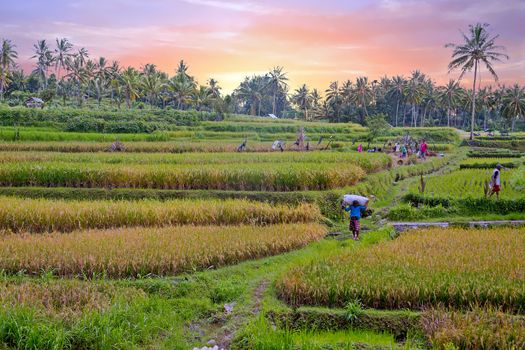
(8, 55)
(78, 74)
(113, 72)
(277, 83)
(182, 89)
(478, 48)
(414, 93)
(450, 95)
(62, 55)
(151, 83)
(316, 98)
(397, 91)
(44, 60)
(200, 97)
(513, 102)
(82, 55)
(250, 91)
(334, 98)
(130, 79)
(303, 99)
(363, 93)
(214, 90)
(182, 70)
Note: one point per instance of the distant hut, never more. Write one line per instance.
(34, 102)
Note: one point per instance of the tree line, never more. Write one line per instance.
(64, 75)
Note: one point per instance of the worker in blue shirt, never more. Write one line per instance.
(355, 216)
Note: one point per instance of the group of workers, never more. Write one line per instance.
(404, 150)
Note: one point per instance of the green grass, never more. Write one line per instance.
(259, 335)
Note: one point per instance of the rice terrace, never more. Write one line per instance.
(163, 187)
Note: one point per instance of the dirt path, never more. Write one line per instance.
(225, 337)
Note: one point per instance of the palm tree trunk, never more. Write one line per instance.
(404, 113)
(273, 103)
(397, 110)
(413, 114)
(448, 115)
(473, 118)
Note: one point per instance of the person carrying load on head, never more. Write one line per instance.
(355, 205)
(495, 181)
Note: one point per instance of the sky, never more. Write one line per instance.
(316, 41)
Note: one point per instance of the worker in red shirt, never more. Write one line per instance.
(423, 148)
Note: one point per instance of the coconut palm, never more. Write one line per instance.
(479, 47)
(397, 91)
(152, 84)
(250, 91)
(82, 55)
(62, 55)
(182, 70)
(181, 88)
(200, 98)
(363, 93)
(130, 79)
(450, 96)
(334, 98)
(8, 55)
(213, 89)
(44, 58)
(303, 99)
(513, 103)
(316, 98)
(277, 82)
(414, 93)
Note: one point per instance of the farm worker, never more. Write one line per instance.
(423, 148)
(396, 149)
(355, 216)
(403, 151)
(360, 148)
(496, 181)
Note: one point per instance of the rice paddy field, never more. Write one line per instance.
(175, 240)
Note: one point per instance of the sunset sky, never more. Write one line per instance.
(316, 41)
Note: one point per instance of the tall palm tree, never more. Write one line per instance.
(513, 102)
(82, 55)
(213, 89)
(79, 75)
(62, 55)
(8, 55)
(100, 80)
(182, 89)
(250, 91)
(363, 93)
(277, 82)
(334, 98)
(303, 99)
(130, 79)
(200, 98)
(397, 91)
(478, 48)
(450, 96)
(44, 58)
(182, 70)
(414, 93)
(151, 84)
(316, 98)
